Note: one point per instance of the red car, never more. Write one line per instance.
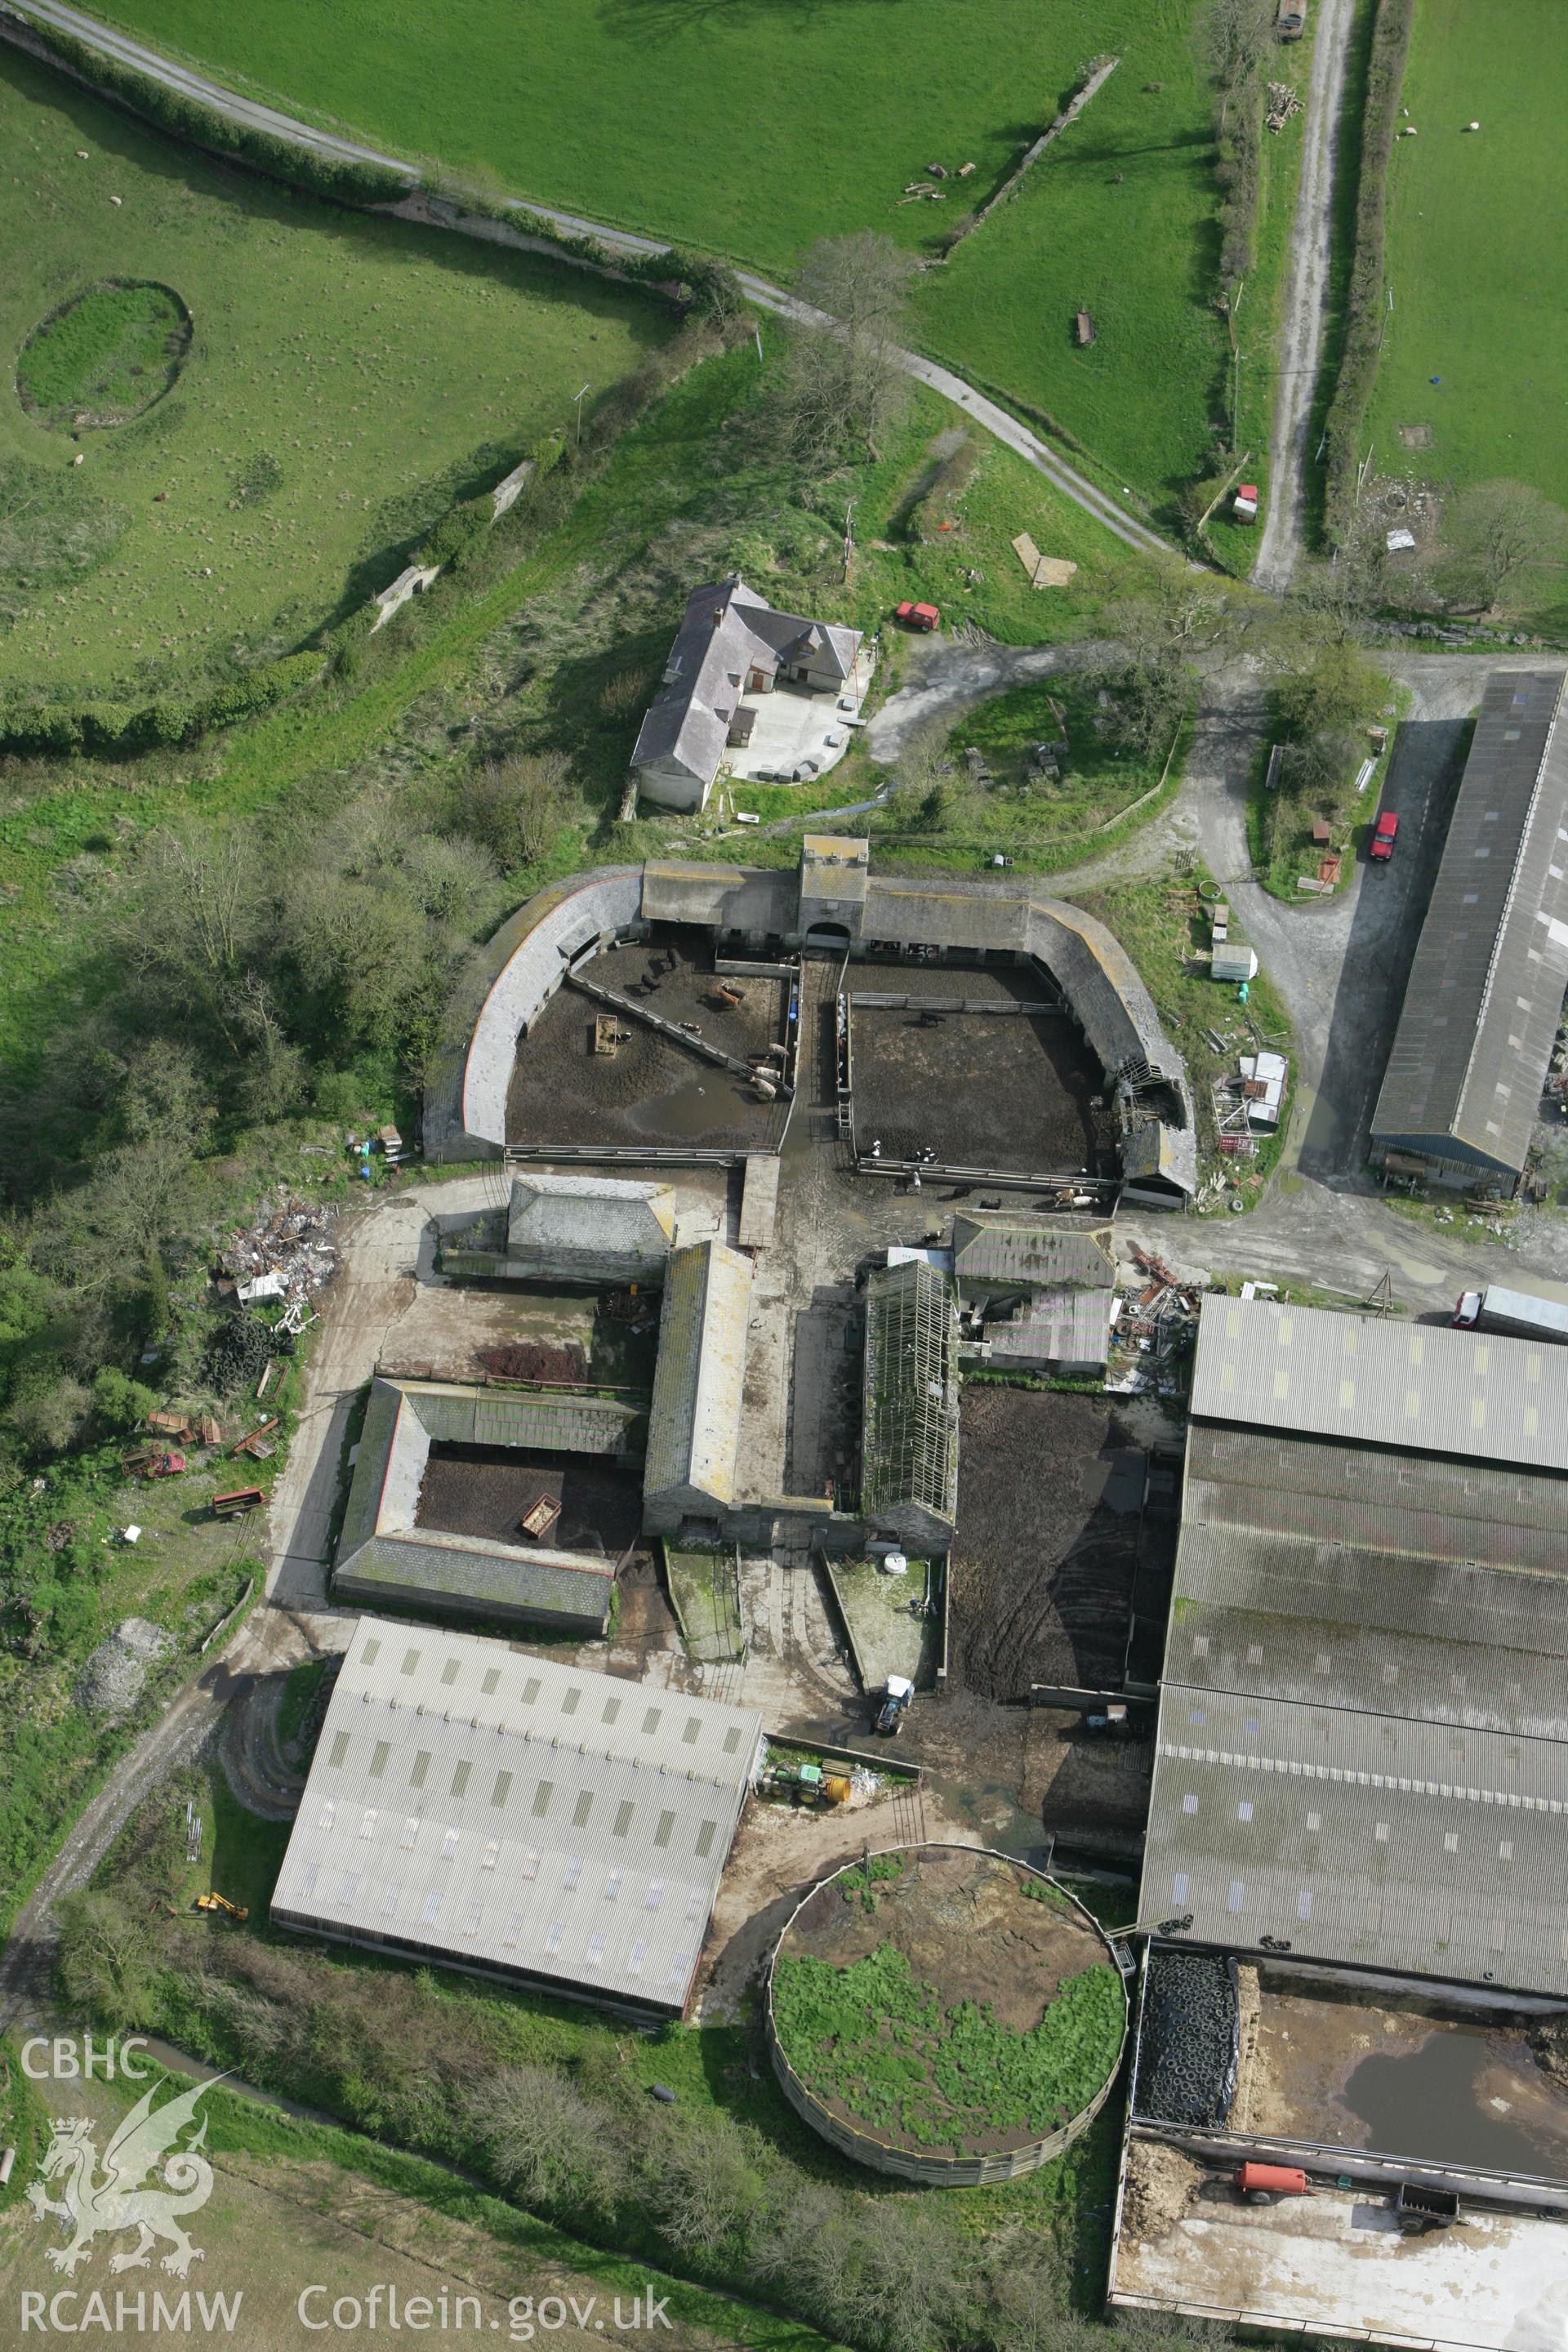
(918, 616)
(1385, 834)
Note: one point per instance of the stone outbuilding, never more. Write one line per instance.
(694, 1426)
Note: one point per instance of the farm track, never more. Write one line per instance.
(1306, 302)
(17, 15)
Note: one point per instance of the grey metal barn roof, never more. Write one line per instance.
(1475, 1035)
(494, 1810)
(1381, 1382)
(1363, 1716)
(1055, 1325)
(1441, 1855)
(1328, 1574)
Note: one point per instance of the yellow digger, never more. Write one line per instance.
(221, 1903)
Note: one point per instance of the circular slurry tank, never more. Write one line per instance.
(944, 2014)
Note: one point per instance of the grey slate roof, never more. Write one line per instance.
(1445, 1855)
(431, 1568)
(496, 1810)
(564, 1218)
(1033, 1255)
(1475, 1035)
(381, 1550)
(1382, 1382)
(727, 630)
(694, 1425)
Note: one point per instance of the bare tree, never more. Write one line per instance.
(106, 1958)
(1235, 39)
(513, 805)
(545, 2140)
(882, 2276)
(1503, 544)
(197, 921)
(711, 2190)
(842, 381)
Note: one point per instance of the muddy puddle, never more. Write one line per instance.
(1462, 2097)
(693, 1109)
(993, 1812)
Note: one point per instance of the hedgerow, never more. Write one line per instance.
(1363, 310)
(340, 179)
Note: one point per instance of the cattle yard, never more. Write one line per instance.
(487, 1491)
(993, 1086)
(590, 1072)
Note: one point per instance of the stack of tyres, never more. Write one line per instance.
(1192, 2020)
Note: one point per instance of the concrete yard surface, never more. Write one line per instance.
(1335, 2263)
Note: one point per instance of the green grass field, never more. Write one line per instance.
(109, 354)
(754, 130)
(1476, 260)
(1118, 219)
(347, 378)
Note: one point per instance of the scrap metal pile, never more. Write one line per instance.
(287, 1254)
(1190, 2046)
(1152, 1327)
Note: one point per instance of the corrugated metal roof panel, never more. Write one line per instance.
(1485, 994)
(1443, 1857)
(507, 1812)
(1371, 1381)
(1033, 1255)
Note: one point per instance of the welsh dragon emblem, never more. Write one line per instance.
(90, 2207)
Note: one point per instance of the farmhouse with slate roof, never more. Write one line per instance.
(731, 643)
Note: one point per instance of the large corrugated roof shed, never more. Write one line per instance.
(909, 1426)
(1034, 1255)
(1485, 994)
(1371, 1382)
(694, 1426)
(1424, 1585)
(564, 1217)
(1380, 1843)
(1363, 1717)
(382, 1554)
(491, 1809)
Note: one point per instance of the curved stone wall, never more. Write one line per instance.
(913, 2164)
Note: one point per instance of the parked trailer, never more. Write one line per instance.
(239, 1500)
(1522, 1313)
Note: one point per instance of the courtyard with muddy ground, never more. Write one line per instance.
(993, 1087)
(647, 1089)
(485, 1491)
